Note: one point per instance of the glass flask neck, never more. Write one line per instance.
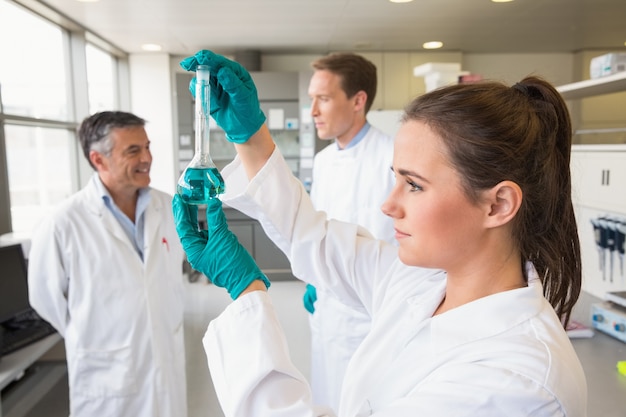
(202, 111)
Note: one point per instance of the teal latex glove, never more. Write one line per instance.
(234, 99)
(309, 298)
(215, 252)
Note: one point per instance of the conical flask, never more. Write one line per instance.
(201, 180)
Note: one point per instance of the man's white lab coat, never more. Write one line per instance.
(121, 318)
(350, 185)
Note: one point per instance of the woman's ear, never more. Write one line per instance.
(504, 201)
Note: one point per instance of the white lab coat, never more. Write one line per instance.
(122, 319)
(349, 185)
(352, 184)
(465, 362)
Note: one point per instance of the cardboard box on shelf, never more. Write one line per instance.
(607, 64)
(439, 74)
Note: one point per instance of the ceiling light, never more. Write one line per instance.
(432, 45)
(400, 1)
(151, 47)
(88, 1)
(501, 1)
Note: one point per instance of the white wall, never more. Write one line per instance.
(397, 85)
(557, 68)
(152, 99)
(153, 95)
(288, 62)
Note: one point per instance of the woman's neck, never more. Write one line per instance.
(463, 287)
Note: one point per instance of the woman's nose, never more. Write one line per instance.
(389, 206)
(386, 209)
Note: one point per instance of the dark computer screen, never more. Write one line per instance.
(13, 282)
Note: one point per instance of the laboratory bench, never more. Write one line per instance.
(599, 355)
(25, 379)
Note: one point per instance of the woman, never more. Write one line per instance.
(467, 311)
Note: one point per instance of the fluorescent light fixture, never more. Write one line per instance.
(400, 1)
(151, 47)
(432, 45)
(501, 1)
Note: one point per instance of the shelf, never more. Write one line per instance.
(13, 365)
(32, 379)
(605, 85)
(40, 379)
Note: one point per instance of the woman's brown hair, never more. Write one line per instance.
(523, 134)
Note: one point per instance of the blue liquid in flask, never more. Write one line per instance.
(199, 185)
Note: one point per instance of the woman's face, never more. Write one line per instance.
(436, 225)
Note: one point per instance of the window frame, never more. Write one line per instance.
(75, 40)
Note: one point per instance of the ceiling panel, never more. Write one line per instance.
(319, 26)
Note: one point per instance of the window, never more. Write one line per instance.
(32, 70)
(39, 101)
(100, 79)
(39, 164)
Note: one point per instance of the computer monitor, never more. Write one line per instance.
(13, 282)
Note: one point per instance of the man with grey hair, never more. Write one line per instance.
(105, 269)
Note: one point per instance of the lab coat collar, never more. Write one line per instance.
(94, 203)
(435, 337)
(357, 138)
(501, 312)
(97, 192)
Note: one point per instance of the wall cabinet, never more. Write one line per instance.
(599, 195)
(601, 176)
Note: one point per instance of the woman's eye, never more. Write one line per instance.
(414, 186)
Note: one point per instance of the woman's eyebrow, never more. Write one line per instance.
(409, 173)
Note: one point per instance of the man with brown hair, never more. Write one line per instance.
(351, 179)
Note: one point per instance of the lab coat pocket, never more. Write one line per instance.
(107, 373)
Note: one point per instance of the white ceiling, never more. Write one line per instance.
(318, 26)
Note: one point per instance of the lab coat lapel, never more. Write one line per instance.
(103, 215)
(152, 230)
(416, 347)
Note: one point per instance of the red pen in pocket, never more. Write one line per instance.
(164, 241)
